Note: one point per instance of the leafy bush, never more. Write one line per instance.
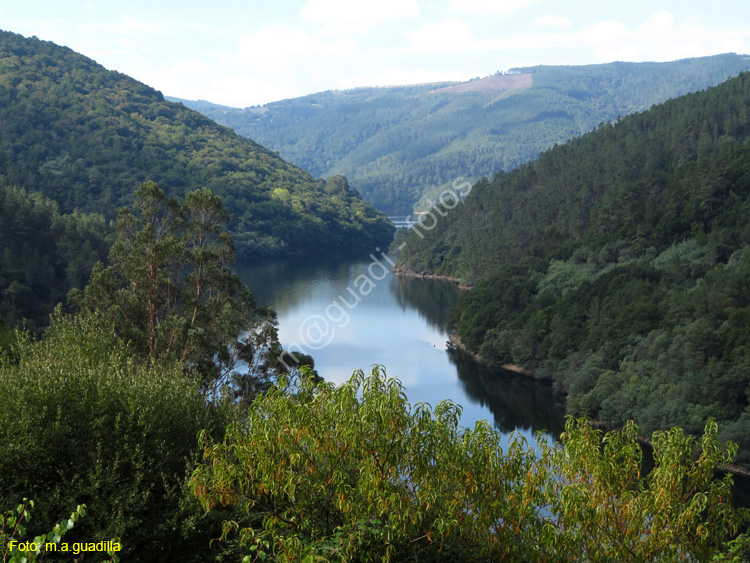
(82, 422)
(14, 549)
(174, 297)
(355, 473)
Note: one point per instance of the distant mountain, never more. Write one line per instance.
(397, 145)
(85, 137)
(617, 264)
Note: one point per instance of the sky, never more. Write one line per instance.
(244, 53)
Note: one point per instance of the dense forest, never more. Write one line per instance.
(75, 142)
(154, 419)
(85, 137)
(167, 437)
(44, 253)
(400, 145)
(617, 264)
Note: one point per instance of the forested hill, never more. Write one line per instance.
(397, 144)
(619, 264)
(85, 137)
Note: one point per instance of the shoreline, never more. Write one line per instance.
(455, 340)
(402, 273)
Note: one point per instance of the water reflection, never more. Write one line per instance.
(432, 299)
(400, 323)
(288, 283)
(517, 402)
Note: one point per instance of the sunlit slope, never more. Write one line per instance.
(396, 143)
(86, 137)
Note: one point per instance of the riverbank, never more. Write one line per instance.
(455, 340)
(403, 273)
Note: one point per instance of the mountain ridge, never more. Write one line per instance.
(77, 139)
(400, 145)
(616, 264)
(86, 137)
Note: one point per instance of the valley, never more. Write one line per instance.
(216, 346)
(400, 145)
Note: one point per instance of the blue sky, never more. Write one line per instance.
(246, 53)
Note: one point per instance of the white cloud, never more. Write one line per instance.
(658, 38)
(184, 79)
(275, 50)
(357, 11)
(98, 54)
(279, 62)
(452, 34)
(195, 80)
(490, 7)
(550, 22)
(270, 64)
(241, 90)
(129, 26)
(661, 38)
(603, 32)
(657, 24)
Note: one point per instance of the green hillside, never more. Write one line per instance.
(43, 253)
(85, 137)
(618, 264)
(397, 145)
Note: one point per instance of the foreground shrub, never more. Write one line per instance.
(355, 473)
(16, 547)
(82, 422)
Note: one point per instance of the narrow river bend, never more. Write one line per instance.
(349, 312)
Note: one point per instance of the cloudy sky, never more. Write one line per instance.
(245, 52)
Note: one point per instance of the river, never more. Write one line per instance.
(349, 312)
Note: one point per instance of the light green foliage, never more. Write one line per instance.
(684, 262)
(354, 473)
(608, 511)
(13, 531)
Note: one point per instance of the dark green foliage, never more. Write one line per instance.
(81, 422)
(7, 336)
(173, 296)
(738, 551)
(619, 264)
(399, 145)
(43, 253)
(86, 137)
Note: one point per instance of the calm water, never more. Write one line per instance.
(350, 312)
(399, 323)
